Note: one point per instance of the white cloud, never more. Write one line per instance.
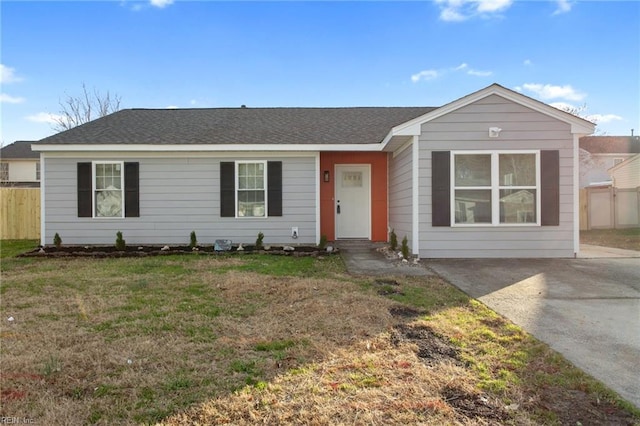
(564, 6)
(471, 71)
(461, 10)
(172, 107)
(8, 75)
(4, 98)
(160, 3)
(603, 118)
(493, 5)
(425, 75)
(549, 91)
(527, 62)
(480, 73)
(45, 117)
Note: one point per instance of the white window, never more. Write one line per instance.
(251, 184)
(4, 171)
(108, 184)
(38, 170)
(495, 188)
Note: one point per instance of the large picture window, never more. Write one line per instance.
(251, 187)
(495, 188)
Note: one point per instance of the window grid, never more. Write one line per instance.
(108, 196)
(496, 203)
(251, 187)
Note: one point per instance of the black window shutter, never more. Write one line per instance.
(550, 188)
(227, 189)
(440, 188)
(131, 190)
(274, 190)
(84, 190)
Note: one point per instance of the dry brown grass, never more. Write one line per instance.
(263, 340)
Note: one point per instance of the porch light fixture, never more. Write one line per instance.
(494, 132)
(326, 176)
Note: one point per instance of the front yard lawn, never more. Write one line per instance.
(266, 339)
(628, 238)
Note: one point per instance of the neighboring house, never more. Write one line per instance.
(492, 174)
(19, 165)
(598, 154)
(626, 174)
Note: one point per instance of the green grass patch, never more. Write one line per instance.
(627, 238)
(12, 248)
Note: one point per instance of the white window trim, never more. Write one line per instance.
(495, 189)
(93, 188)
(237, 188)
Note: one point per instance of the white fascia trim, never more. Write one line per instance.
(415, 196)
(204, 148)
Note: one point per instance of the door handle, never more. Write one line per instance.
(338, 208)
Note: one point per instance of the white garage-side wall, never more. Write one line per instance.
(401, 193)
(522, 129)
(22, 170)
(180, 193)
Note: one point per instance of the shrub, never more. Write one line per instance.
(120, 243)
(323, 242)
(259, 245)
(393, 240)
(405, 248)
(57, 241)
(193, 240)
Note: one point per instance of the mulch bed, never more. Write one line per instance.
(98, 251)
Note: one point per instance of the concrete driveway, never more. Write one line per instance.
(588, 309)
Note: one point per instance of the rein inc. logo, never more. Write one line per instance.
(9, 420)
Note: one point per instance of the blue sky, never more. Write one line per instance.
(198, 54)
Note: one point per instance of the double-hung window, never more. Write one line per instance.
(495, 188)
(108, 188)
(251, 186)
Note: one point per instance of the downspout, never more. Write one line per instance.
(576, 195)
(415, 203)
(42, 198)
(318, 184)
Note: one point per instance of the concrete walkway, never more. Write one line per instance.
(588, 309)
(364, 258)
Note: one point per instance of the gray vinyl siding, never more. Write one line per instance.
(401, 194)
(177, 196)
(522, 129)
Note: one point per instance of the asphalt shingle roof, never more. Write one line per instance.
(361, 125)
(610, 144)
(18, 149)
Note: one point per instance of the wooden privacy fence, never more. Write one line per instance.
(19, 213)
(609, 208)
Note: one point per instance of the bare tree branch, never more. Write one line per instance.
(77, 110)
